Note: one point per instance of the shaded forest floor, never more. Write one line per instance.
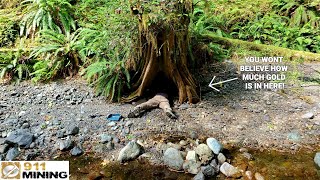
(262, 120)
(257, 119)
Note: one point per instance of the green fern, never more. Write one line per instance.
(47, 14)
(108, 78)
(299, 12)
(14, 66)
(60, 53)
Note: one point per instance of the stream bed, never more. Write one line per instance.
(271, 164)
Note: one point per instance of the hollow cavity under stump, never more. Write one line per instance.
(164, 46)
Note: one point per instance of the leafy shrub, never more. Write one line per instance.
(239, 12)
(47, 14)
(108, 78)
(299, 12)
(14, 65)
(273, 29)
(59, 54)
(202, 21)
(107, 57)
(7, 4)
(108, 41)
(8, 31)
(9, 22)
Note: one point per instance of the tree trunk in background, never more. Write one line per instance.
(163, 47)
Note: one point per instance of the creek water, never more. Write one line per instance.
(271, 164)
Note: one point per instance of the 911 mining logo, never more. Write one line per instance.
(21, 170)
(10, 170)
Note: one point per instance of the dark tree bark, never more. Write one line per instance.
(164, 47)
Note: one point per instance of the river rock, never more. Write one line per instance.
(308, 115)
(243, 150)
(131, 151)
(247, 155)
(72, 130)
(221, 158)
(229, 170)
(191, 167)
(183, 143)
(4, 148)
(104, 138)
(173, 159)
(215, 165)
(249, 175)
(21, 137)
(102, 148)
(110, 145)
(65, 145)
(25, 126)
(208, 171)
(317, 160)
(12, 154)
(184, 106)
(214, 145)
(192, 156)
(128, 123)
(110, 124)
(258, 176)
(199, 176)
(2, 141)
(76, 151)
(175, 146)
(294, 136)
(204, 152)
(60, 133)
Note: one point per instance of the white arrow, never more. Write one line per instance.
(211, 85)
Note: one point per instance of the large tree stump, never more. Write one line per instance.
(163, 47)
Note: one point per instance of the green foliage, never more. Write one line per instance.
(202, 20)
(107, 58)
(42, 71)
(218, 52)
(108, 41)
(97, 14)
(59, 54)
(8, 30)
(9, 22)
(299, 12)
(285, 23)
(239, 12)
(104, 44)
(47, 14)
(108, 77)
(14, 66)
(8, 4)
(273, 29)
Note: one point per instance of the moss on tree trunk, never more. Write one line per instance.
(269, 50)
(163, 47)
